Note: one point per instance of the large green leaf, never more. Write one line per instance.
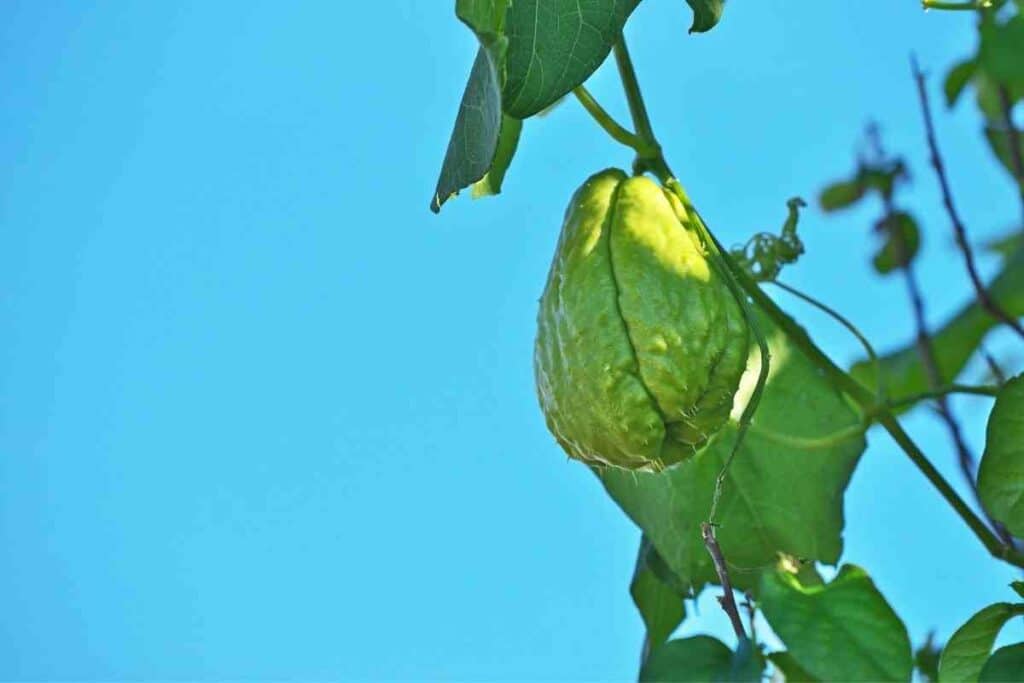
(791, 671)
(660, 604)
(508, 140)
(1006, 664)
(1001, 473)
(706, 14)
(1002, 50)
(783, 492)
(953, 343)
(967, 650)
(701, 659)
(843, 631)
(554, 45)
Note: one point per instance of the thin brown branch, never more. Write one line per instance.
(965, 459)
(960, 232)
(1014, 140)
(727, 601)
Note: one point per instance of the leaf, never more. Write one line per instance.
(660, 605)
(967, 650)
(902, 242)
(1002, 50)
(841, 195)
(843, 631)
(474, 140)
(958, 78)
(554, 45)
(700, 659)
(783, 492)
(953, 343)
(1001, 473)
(706, 13)
(1007, 664)
(1018, 587)
(791, 671)
(999, 143)
(508, 139)
(1006, 246)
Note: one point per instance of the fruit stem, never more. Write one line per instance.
(610, 125)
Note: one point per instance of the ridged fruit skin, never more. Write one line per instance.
(640, 345)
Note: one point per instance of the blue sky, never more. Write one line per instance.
(263, 415)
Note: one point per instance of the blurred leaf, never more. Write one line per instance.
(1002, 50)
(706, 14)
(841, 195)
(660, 605)
(508, 139)
(783, 492)
(999, 143)
(902, 242)
(554, 45)
(843, 631)
(701, 659)
(1007, 245)
(1001, 473)
(791, 671)
(926, 660)
(953, 343)
(1018, 587)
(967, 650)
(1006, 664)
(958, 78)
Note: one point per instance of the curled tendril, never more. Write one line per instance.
(764, 254)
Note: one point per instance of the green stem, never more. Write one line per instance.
(798, 336)
(967, 6)
(845, 322)
(609, 124)
(982, 390)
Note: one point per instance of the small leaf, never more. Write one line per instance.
(957, 79)
(783, 491)
(902, 242)
(1018, 587)
(967, 650)
(660, 605)
(844, 631)
(841, 195)
(508, 139)
(554, 45)
(953, 343)
(1001, 473)
(477, 128)
(701, 659)
(926, 660)
(1006, 664)
(791, 671)
(706, 13)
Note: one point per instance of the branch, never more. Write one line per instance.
(726, 600)
(984, 298)
(983, 390)
(609, 124)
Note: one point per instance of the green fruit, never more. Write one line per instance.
(640, 345)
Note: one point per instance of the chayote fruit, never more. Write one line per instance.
(640, 344)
